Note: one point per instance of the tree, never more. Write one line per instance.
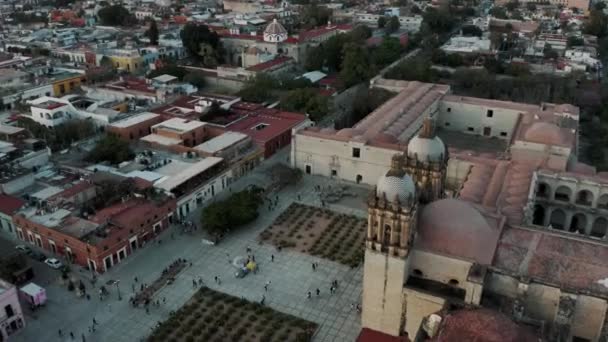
(201, 43)
(314, 15)
(531, 6)
(499, 12)
(387, 52)
(392, 25)
(355, 67)
(306, 100)
(381, 21)
(110, 149)
(599, 6)
(471, 30)
(259, 88)
(61, 136)
(195, 79)
(512, 5)
(115, 15)
(152, 33)
(596, 24)
(575, 41)
(549, 52)
(240, 208)
(438, 20)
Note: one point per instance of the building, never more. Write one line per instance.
(482, 225)
(11, 317)
(134, 127)
(59, 225)
(406, 23)
(9, 205)
(66, 83)
(177, 131)
(53, 111)
(467, 45)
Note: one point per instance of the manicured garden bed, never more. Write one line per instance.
(320, 232)
(211, 316)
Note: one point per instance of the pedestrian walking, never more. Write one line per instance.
(272, 257)
(164, 300)
(141, 288)
(133, 287)
(308, 295)
(193, 282)
(83, 339)
(263, 300)
(299, 197)
(358, 308)
(60, 333)
(331, 290)
(94, 321)
(71, 335)
(314, 267)
(88, 296)
(318, 292)
(147, 310)
(216, 279)
(136, 279)
(352, 306)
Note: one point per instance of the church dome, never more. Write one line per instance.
(545, 133)
(456, 228)
(431, 149)
(275, 32)
(396, 187)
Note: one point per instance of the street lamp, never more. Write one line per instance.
(118, 289)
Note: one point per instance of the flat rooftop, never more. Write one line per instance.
(134, 120)
(221, 142)
(470, 142)
(6, 129)
(179, 125)
(161, 140)
(195, 169)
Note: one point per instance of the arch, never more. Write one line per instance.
(602, 202)
(599, 227)
(543, 190)
(387, 234)
(584, 197)
(538, 218)
(563, 193)
(578, 223)
(558, 219)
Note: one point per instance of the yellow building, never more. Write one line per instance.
(125, 59)
(66, 83)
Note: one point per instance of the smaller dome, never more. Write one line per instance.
(431, 149)
(545, 133)
(275, 32)
(394, 187)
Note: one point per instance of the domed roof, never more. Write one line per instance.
(454, 227)
(275, 28)
(396, 187)
(431, 149)
(545, 133)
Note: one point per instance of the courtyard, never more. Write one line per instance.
(289, 273)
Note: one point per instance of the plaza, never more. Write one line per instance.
(290, 274)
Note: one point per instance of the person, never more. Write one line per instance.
(358, 308)
(60, 333)
(308, 295)
(272, 257)
(136, 279)
(314, 267)
(71, 335)
(83, 339)
(352, 306)
(193, 282)
(216, 279)
(263, 300)
(147, 310)
(318, 292)
(331, 290)
(94, 321)
(164, 300)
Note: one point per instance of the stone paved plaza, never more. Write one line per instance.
(291, 275)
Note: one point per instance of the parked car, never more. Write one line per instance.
(23, 248)
(53, 263)
(37, 256)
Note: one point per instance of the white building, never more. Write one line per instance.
(409, 24)
(466, 45)
(583, 57)
(52, 111)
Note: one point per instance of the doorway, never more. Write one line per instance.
(487, 131)
(308, 169)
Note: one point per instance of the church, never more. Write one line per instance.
(483, 224)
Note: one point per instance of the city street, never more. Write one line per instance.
(291, 275)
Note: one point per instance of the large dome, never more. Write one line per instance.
(431, 149)
(454, 227)
(275, 32)
(545, 133)
(394, 187)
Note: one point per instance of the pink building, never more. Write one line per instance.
(11, 316)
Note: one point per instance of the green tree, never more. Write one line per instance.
(471, 30)
(313, 15)
(355, 67)
(575, 41)
(306, 100)
(240, 208)
(115, 15)
(201, 43)
(387, 52)
(152, 33)
(599, 6)
(381, 21)
(512, 5)
(499, 12)
(549, 52)
(259, 88)
(596, 24)
(61, 136)
(392, 25)
(111, 149)
(195, 79)
(438, 20)
(531, 6)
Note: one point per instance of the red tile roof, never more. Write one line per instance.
(10, 204)
(369, 335)
(270, 64)
(73, 190)
(277, 123)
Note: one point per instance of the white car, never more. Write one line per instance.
(23, 248)
(53, 263)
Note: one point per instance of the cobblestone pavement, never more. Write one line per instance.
(291, 277)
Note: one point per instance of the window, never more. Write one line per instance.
(470, 129)
(490, 113)
(334, 172)
(503, 134)
(356, 152)
(449, 110)
(9, 311)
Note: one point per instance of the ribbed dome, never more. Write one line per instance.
(431, 149)
(396, 187)
(275, 32)
(545, 133)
